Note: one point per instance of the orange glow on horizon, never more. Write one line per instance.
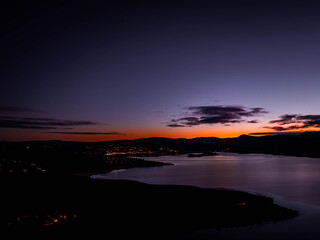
(131, 134)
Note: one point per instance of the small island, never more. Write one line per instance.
(202, 154)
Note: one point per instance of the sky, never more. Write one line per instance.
(107, 70)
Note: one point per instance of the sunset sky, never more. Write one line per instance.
(105, 70)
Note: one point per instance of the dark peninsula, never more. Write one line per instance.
(78, 206)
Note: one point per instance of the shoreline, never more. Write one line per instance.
(142, 209)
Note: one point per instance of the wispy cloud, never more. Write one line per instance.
(273, 133)
(253, 121)
(39, 123)
(88, 133)
(225, 115)
(288, 122)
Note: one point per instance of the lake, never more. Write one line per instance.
(292, 181)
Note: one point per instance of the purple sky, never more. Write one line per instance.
(132, 67)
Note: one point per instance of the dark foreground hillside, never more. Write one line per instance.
(118, 209)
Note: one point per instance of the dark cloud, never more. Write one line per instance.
(39, 123)
(253, 121)
(175, 125)
(294, 121)
(273, 133)
(187, 121)
(285, 119)
(216, 115)
(262, 133)
(280, 128)
(88, 133)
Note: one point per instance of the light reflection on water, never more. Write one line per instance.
(292, 181)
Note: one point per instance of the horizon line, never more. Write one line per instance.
(256, 135)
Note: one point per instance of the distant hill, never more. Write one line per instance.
(209, 140)
(304, 144)
(300, 144)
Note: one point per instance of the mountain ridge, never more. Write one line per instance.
(298, 144)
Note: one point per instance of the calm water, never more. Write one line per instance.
(292, 181)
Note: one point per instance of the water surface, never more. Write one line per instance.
(292, 181)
